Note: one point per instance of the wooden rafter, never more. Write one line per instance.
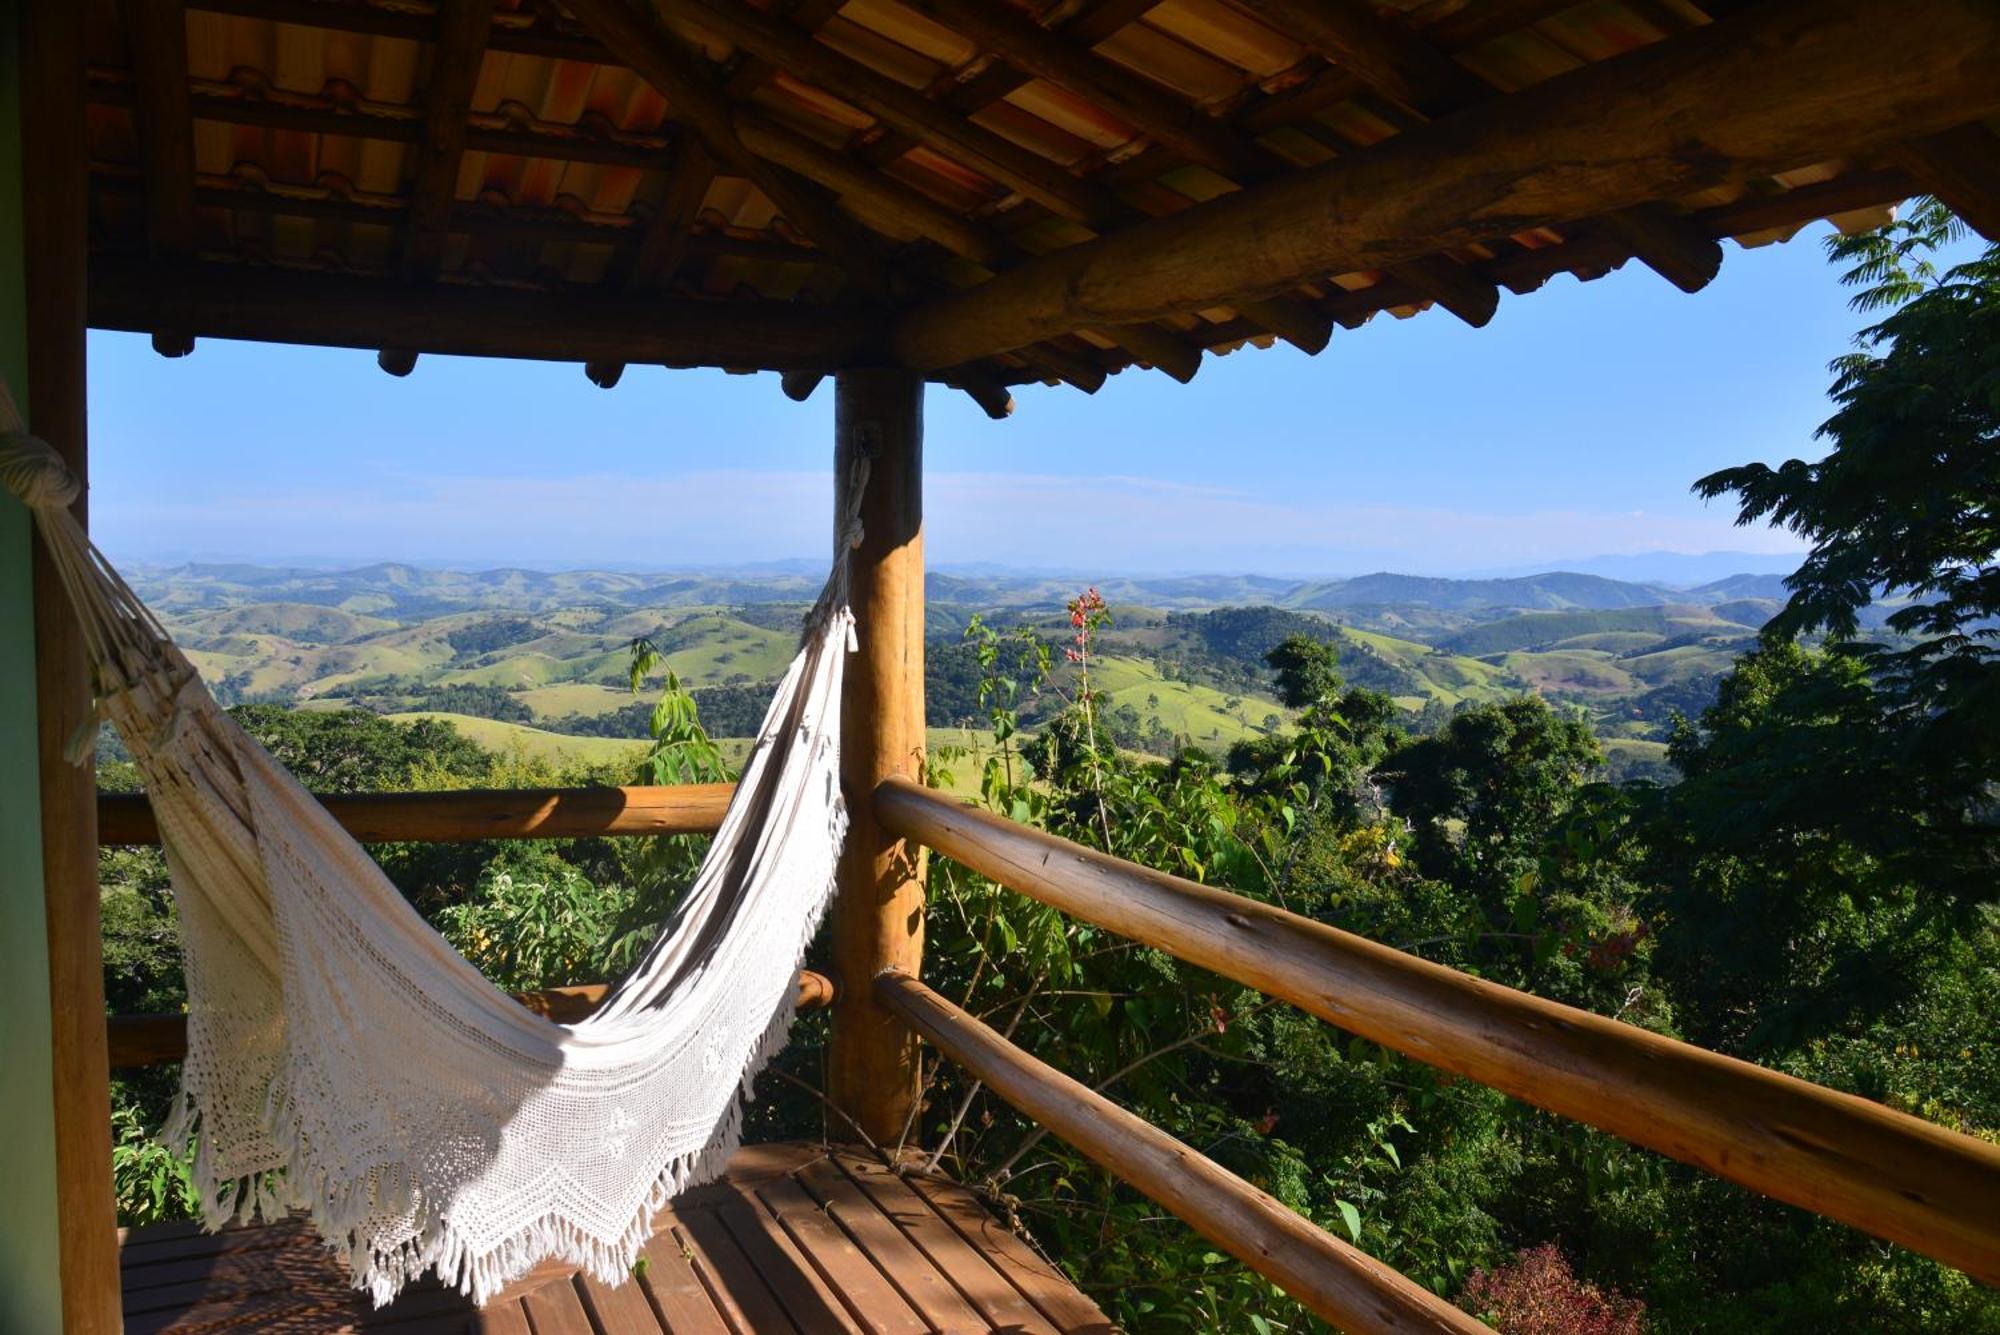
(1771, 88)
(1961, 167)
(458, 48)
(693, 100)
(1407, 67)
(647, 152)
(664, 248)
(157, 34)
(1037, 51)
(1383, 53)
(1452, 285)
(902, 108)
(870, 193)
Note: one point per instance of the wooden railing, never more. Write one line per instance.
(155, 1040)
(1879, 1170)
(478, 813)
(453, 817)
(1348, 1287)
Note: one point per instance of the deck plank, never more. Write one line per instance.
(556, 1309)
(869, 1296)
(620, 1310)
(747, 1302)
(935, 1297)
(983, 1285)
(1039, 1281)
(676, 1292)
(793, 1238)
(806, 1298)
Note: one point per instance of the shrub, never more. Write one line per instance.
(1537, 1293)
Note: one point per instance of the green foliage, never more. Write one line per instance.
(527, 933)
(682, 751)
(483, 637)
(151, 1183)
(1491, 785)
(1903, 502)
(350, 751)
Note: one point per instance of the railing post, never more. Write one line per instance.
(878, 916)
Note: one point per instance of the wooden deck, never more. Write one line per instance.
(797, 1238)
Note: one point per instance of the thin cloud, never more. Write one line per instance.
(721, 516)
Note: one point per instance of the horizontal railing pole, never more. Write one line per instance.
(1882, 1171)
(1343, 1284)
(155, 1040)
(471, 814)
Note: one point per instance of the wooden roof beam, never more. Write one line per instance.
(1159, 348)
(1961, 166)
(663, 250)
(273, 305)
(992, 395)
(156, 31)
(1407, 67)
(1037, 51)
(901, 108)
(1668, 244)
(693, 100)
(373, 20)
(865, 190)
(623, 151)
(458, 51)
(1383, 53)
(1460, 290)
(458, 48)
(1786, 82)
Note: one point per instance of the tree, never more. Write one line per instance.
(1906, 503)
(1502, 774)
(1797, 860)
(352, 751)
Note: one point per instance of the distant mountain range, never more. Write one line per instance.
(402, 591)
(1678, 570)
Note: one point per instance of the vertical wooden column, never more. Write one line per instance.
(878, 916)
(53, 224)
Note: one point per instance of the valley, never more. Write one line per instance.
(539, 662)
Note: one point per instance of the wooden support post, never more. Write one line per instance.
(878, 917)
(53, 235)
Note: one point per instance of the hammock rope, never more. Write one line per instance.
(343, 1060)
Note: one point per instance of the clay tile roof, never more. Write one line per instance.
(853, 158)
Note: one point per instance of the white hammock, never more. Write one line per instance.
(344, 1060)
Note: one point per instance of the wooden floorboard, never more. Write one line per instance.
(794, 1238)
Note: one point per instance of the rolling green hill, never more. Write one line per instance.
(511, 654)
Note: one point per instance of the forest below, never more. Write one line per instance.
(1761, 816)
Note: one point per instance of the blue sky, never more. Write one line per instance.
(1569, 427)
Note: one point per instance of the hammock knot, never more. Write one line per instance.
(33, 471)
